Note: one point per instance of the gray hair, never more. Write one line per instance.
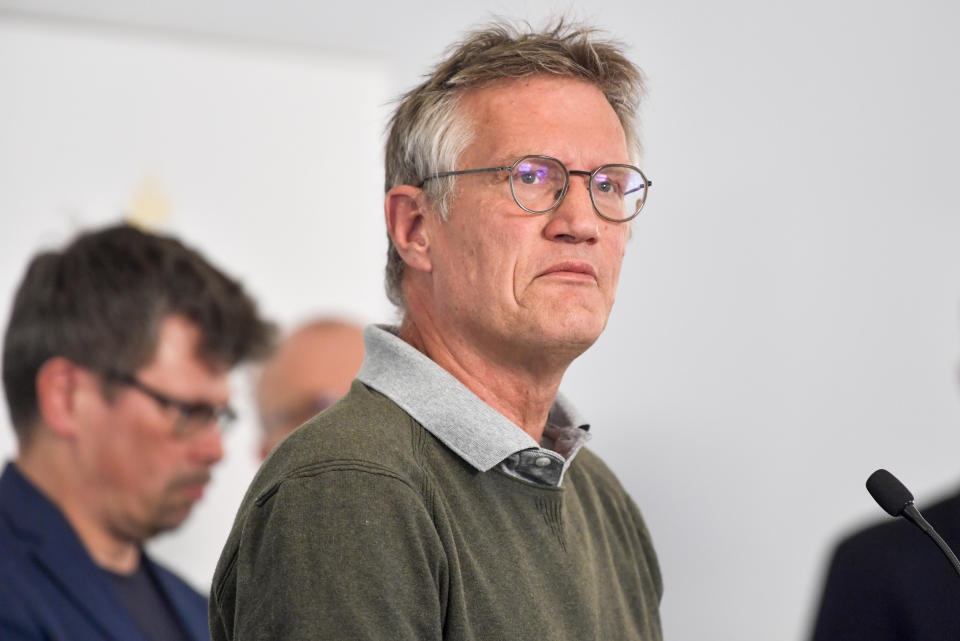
(426, 135)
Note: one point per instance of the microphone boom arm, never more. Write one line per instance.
(912, 514)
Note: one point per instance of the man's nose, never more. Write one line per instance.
(208, 445)
(575, 220)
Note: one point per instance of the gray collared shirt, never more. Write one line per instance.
(476, 432)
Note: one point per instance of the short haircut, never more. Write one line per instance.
(426, 135)
(99, 302)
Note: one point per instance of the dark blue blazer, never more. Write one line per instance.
(51, 589)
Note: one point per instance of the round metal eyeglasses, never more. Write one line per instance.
(538, 185)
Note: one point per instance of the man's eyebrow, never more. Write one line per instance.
(505, 160)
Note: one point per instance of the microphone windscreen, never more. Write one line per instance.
(888, 492)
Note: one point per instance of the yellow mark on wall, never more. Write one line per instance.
(149, 206)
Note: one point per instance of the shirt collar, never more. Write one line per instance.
(443, 405)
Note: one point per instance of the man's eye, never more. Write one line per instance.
(529, 178)
(605, 186)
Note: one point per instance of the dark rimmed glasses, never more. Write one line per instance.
(193, 416)
(538, 185)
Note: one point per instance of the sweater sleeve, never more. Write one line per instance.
(349, 551)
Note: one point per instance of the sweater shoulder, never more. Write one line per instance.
(363, 437)
(364, 429)
(364, 432)
(590, 467)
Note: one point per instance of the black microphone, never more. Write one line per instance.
(897, 500)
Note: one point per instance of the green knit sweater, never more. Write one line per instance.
(362, 525)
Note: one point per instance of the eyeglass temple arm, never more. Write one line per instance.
(649, 182)
(444, 174)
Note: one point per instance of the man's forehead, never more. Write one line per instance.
(179, 347)
(501, 97)
(541, 115)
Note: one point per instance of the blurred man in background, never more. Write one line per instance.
(890, 582)
(448, 496)
(115, 365)
(311, 370)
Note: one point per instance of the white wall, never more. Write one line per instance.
(788, 311)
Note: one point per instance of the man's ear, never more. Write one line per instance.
(406, 211)
(59, 383)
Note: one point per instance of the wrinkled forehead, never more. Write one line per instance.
(568, 118)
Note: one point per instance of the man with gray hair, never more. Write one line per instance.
(449, 495)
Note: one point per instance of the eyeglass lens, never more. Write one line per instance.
(193, 420)
(538, 184)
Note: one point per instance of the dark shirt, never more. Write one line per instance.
(146, 605)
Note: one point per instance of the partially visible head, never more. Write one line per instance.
(115, 311)
(429, 131)
(311, 369)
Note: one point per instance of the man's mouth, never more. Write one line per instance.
(193, 486)
(572, 268)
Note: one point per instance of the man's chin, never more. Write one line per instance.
(166, 525)
(578, 328)
(579, 312)
(564, 341)
(171, 516)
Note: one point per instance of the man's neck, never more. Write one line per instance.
(522, 394)
(50, 473)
